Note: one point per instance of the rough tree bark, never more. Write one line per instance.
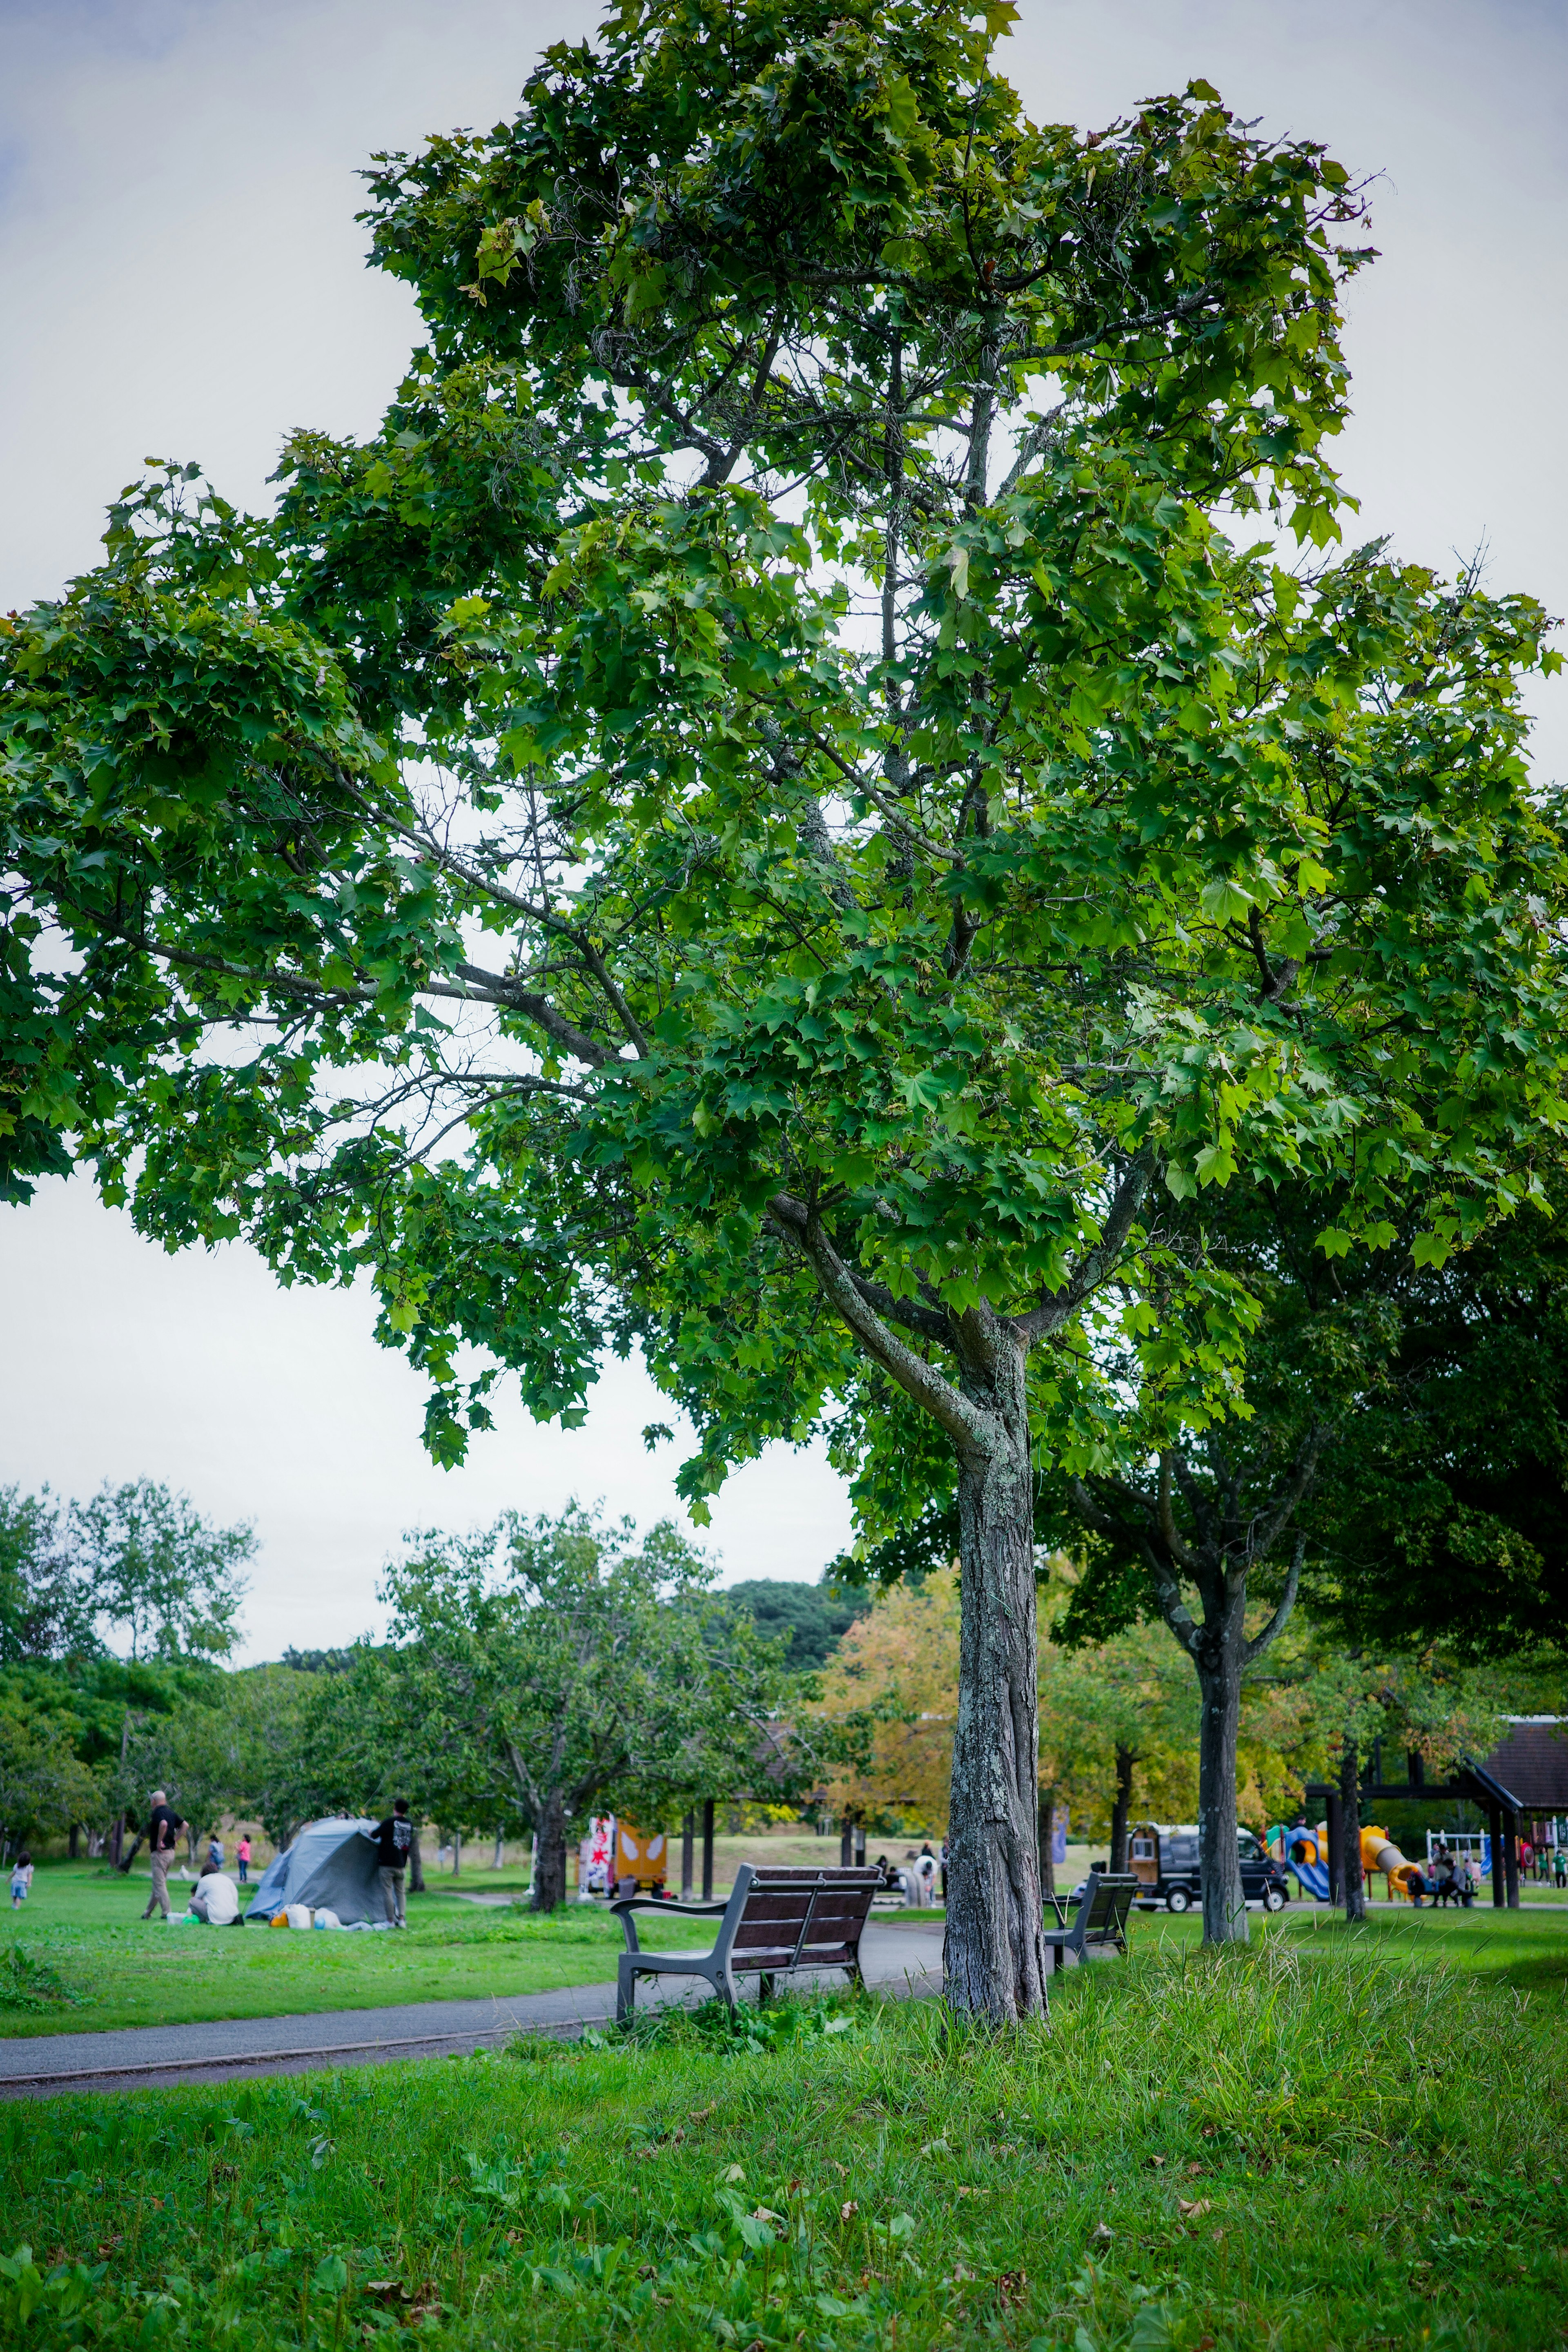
(550, 1866)
(1122, 1807)
(994, 1956)
(415, 1866)
(1349, 1802)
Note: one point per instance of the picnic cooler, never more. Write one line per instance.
(331, 1866)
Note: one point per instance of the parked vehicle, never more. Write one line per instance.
(1163, 1857)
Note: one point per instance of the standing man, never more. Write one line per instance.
(393, 1837)
(163, 1827)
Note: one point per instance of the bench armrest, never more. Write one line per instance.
(624, 1905)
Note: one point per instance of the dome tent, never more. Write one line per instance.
(330, 1866)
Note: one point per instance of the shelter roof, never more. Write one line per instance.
(1533, 1761)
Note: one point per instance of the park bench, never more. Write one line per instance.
(1101, 1920)
(775, 1921)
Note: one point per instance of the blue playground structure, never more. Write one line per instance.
(1298, 1850)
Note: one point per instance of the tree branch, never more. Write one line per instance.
(1281, 1617)
(968, 1427)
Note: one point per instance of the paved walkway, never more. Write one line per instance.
(902, 1960)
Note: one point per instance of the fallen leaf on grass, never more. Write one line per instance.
(734, 2172)
(700, 2114)
(847, 2211)
(1190, 2208)
(1102, 2229)
(1156, 2161)
(1013, 2286)
(965, 2191)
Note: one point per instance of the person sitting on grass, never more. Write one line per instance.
(21, 1879)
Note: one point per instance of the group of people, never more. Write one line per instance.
(217, 1897)
(1444, 1880)
(917, 1878)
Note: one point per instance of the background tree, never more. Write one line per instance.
(895, 844)
(583, 1670)
(150, 1566)
(896, 1673)
(44, 1785)
(44, 1611)
(813, 1618)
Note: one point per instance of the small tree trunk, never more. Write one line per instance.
(1354, 1875)
(1049, 1843)
(994, 1958)
(124, 1864)
(1219, 1662)
(117, 1839)
(550, 1862)
(1123, 1808)
(457, 1852)
(500, 1850)
(415, 1866)
(74, 1849)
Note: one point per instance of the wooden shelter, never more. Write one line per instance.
(1523, 1784)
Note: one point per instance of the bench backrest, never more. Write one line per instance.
(799, 1919)
(1105, 1903)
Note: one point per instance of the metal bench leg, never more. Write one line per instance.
(625, 1989)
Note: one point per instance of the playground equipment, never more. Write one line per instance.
(1305, 1854)
(1378, 1853)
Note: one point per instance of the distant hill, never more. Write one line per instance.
(815, 1616)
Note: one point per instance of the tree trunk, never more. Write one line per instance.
(993, 1958)
(1047, 1844)
(1123, 1808)
(457, 1852)
(117, 1839)
(415, 1867)
(74, 1849)
(500, 1850)
(550, 1862)
(125, 1861)
(1352, 1873)
(1219, 1683)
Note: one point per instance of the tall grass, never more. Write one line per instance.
(1263, 2148)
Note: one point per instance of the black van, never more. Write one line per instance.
(1164, 1858)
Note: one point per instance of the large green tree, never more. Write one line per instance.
(541, 1671)
(785, 807)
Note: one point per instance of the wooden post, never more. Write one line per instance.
(1494, 1821)
(708, 1850)
(1048, 1831)
(845, 1841)
(860, 1845)
(1336, 1813)
(688, 1849)
(1510, 1858)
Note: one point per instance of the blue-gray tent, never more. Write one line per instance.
(331, 1866)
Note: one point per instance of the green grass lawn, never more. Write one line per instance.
(1327, 2140)
(83, 1925)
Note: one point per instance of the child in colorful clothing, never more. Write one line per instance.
(21, 1879)
(242, 1855)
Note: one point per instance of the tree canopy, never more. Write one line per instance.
(788, 809)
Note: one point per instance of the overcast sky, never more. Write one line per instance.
(181, 275)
